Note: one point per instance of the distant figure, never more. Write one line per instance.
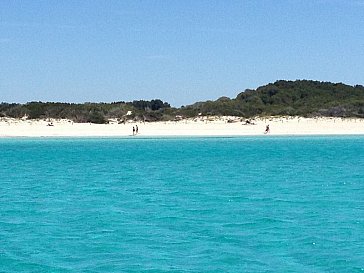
(267, 130)
(249, 122)
(136, 129)
(133, 130)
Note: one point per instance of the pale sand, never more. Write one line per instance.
(201, 126)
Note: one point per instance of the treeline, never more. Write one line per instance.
(293, 98)
(87, 112)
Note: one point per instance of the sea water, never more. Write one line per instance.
(251, 204)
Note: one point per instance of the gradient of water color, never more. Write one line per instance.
(252, 204)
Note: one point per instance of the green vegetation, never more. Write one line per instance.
(87, 112)
(301, 97)
(293, 98)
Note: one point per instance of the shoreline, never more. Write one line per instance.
(198, 127)
(176, 137)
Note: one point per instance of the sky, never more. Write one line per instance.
(178, 51)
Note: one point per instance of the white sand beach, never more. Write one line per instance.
(202, 126)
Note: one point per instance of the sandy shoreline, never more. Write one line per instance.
(203, 126)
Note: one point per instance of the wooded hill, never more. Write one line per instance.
(293, 98)
(301, 97)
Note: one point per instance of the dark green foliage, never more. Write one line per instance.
(301, 97)
(149, 105)
(14, 111)
(36, 110)
(96, 117)
(87, 112)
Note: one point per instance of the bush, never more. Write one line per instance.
(96, 117)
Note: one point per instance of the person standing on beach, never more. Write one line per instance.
(133, 130)
(136, 129)
(267, 129)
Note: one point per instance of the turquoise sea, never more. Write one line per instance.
(248, 204)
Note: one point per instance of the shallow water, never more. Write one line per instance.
(252, 204)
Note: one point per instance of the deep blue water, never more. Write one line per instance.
(252, 204)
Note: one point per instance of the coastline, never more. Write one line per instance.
(201, 126)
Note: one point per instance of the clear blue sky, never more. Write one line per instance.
(178, 51)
